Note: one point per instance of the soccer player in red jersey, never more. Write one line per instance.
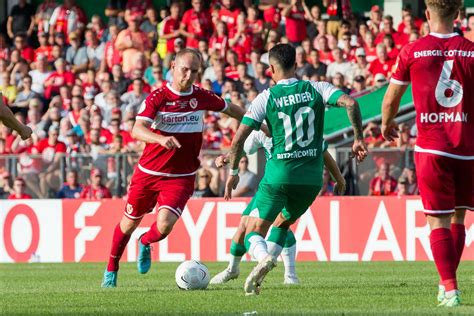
(440, 67)
(170, 121)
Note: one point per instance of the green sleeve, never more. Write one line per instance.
(334, 97)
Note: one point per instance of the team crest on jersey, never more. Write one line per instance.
(193, 103)
(129, 208)
(142, 107)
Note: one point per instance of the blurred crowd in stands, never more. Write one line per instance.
(78, 81)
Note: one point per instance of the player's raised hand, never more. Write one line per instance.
(359, 149)
(170, 142)
(390, 131)
(222, 160)
(230, 185)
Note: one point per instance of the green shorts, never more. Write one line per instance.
(292, 200)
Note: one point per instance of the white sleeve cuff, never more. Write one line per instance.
(399, 82)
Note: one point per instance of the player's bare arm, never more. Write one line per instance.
(359, 148)
(234, 157)
(390, 105)
(235, 111)
(141, 131)
(7, 118)
(333, 169)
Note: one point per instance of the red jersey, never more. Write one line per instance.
(231, 72)
(296, 25)
(95, 194)
(21, 197)
(229, 17)
(46, 51)
(272, 16)
(219, 44)
(441, 69)
(49, 151)
(198, 23)
(170, 25)
(378, 67)
(180, 115)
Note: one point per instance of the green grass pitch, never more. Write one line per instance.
(327, 288)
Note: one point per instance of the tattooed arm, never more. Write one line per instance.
(359, 148)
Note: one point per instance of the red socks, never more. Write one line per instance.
(445, 256)
(153, 235)
(458, 231)
(119, 242)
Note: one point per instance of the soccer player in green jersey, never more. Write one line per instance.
(256, 140)
(294, 112)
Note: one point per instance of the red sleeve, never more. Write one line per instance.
(185, 19)
(149, 107)
(372, 183)
(213, 102)
(402, 71)
(61, 147)
(106, 193)
(69, 78)
(84, 192)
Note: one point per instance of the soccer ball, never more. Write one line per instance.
(192, 275)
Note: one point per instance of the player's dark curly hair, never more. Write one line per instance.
(284, 55)
(445, 8)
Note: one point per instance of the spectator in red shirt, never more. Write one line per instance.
(373, 135)
(383, 184)
(375, 19)
(44, 49)
(170, 31)
(219, 42)
(95, 190)
(19, 190)
(295, 22)
(196, 24)
(57, 79)
(382, 65)
(241, 43)
(392, 51)
(26, 51)
(231, 68)
(388, 29)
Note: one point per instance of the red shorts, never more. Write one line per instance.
(147, 191)
(445, 183)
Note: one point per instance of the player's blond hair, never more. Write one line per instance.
(445, 8)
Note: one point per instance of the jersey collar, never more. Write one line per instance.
(287, 81)
(182, 94)
(439, 35)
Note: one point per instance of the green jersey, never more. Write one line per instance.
(294, 112)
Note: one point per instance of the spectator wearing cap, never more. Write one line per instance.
(94, 49)
(19, 188)
(5, 185)
(132, 100)
(95, 190)
(359, 87)
(339, 65)
(72, 188)
(21, 19)
(132, 42)
(196, 24)
(58, 78)
(360, 67)
(380, 80)
(382, 65)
